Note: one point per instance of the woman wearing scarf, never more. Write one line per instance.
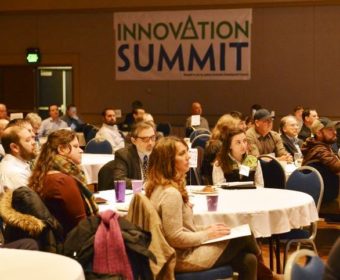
(233, 164)
(60, 182)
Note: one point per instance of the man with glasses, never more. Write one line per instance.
(263, 140)
(131, 162)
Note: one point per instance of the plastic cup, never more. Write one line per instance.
(137, 186)
(120, 187)
(212, 202)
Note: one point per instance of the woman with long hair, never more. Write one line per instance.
(59, 180)
(233, 163)
(165, 186)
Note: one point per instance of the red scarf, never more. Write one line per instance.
(109, 250)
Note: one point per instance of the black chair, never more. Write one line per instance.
(273, 173)
(98, 146)
(165, 128)
(331, 189)
(105, 177)
(89, 131)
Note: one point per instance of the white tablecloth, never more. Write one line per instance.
(35, 265)
(91, 163)
(267, 211)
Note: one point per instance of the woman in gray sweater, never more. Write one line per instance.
(168, 165)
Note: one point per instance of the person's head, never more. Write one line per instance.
(234, 143)
(138, 114)
(263, 121)
(298, 110)
(71, 110)
(147, 117)
(109, 116)
(223, 124)
(324, 130)
(35, 121)
(3, 124)
(3, 111)
(309, 116)
(22, 123)
(196, 108)
(143, 136)
(19, 142)
(62, 142)
(239, 116)
(254, 108)
(168, 165)
(53, 111)
(289, 126)
(136, 104)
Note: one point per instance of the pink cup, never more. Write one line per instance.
(212, 202)
(120, 187)
(137, 186)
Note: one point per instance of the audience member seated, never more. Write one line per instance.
(289, 129)
(35, 121)
(72, 119)
(20, 149)
(332, 268)
(3, 112)
(214, 145)
(165, 186)
(262, 140)
(109, 130)
(318, 149)
(60, 182)
(238, 116)
(298, 110)
(233, 164)
(52, 123)
(131, 162)
(308, 117)
(3, 124)
(130, 118)
(196, 110)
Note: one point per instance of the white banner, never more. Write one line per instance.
(183, 45)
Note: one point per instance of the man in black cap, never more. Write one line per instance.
(262, 140)
(318, 149)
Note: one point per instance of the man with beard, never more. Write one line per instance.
(318, 149)
(131, 162)
(20, 149)
(109, 130)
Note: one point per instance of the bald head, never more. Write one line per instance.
(196, 108)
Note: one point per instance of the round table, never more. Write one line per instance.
(267, 211)
(36, 265)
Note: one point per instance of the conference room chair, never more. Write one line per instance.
(272, 171)
(331, 189)
(165, 128)
(313, 268)
(105, 177)
(200, 140)
(143, 214)
(197, 132)
(308, 180)
(98, 146)
(89, 131)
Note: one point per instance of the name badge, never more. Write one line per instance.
(244, 170)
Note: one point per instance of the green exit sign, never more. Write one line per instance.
(33, 55)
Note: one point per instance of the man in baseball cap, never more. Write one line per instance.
(263, 140)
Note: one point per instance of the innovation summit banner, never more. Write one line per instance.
(183, 45)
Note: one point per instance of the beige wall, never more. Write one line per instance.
(295, 60)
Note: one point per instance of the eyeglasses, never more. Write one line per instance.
(147, 138)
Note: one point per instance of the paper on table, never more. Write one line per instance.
(235, 232)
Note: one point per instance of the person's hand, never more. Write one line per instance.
(217, 230)
(286, 157)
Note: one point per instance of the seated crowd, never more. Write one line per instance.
(52, 171)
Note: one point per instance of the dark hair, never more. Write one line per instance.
(306, 113)
(10, 135)
(136, 105)
(297, 108)
(49, 107)
(69, 106)
(237, 115)
(105, 110)
(223, 159)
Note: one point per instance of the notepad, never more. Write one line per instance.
(235, 232)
